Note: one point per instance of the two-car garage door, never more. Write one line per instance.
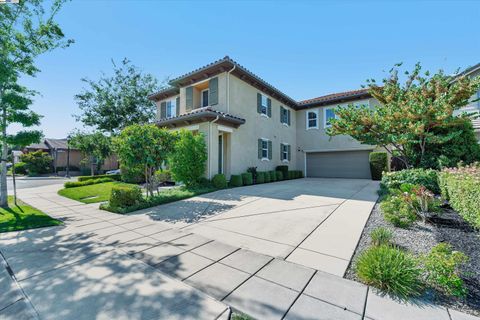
(338, 164)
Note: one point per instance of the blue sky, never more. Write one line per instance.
(304, 48)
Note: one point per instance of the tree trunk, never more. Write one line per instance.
(3, 174)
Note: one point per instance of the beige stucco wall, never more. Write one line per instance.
(244, 140)
(311, 140)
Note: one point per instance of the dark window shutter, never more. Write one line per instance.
(289, 149)
(259, 148)
(269, 107)
(281, 151)
(213, 91)
(269, 150)
(163, 110)
(259, 103)
(189, 98)
(281, 114)
(178, 106)
(288, 116)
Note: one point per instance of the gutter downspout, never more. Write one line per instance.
(209, 145)
(228, 87)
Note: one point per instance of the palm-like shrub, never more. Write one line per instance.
(381, 236)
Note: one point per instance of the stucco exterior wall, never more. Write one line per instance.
(244, 140)
(311, 140)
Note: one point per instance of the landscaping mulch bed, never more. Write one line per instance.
(420, 238)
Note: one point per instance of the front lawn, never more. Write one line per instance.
(91, 193)
(22, 217)
(163, 197)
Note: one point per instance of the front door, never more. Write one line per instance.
(220, 153)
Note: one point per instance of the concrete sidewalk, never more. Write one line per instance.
(104, 265)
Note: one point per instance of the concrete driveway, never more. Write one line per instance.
(313, 222)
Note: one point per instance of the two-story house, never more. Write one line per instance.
(249, 123)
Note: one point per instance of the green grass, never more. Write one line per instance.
(22, 217)
(92, 193)
(165, 196)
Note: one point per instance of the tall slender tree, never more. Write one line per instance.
(27, 30)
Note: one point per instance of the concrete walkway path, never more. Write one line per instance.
(104, 265)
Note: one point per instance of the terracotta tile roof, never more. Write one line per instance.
(334, 97)
(201, 112)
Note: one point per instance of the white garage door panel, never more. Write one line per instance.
(339, 164)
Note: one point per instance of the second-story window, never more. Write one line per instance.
(329, 115)
(204, 98)
(284, 115)
(312, 119)
(171, 108)
(264, 105)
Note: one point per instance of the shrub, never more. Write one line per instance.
(219, 181)
(279, 175)
(125, 196)
(115, 177)
(381, 236)
(442, 266)
(162, 176)
(132, 174)
(187, 162)
(247, 179)
(273, 176)
(462, 187)
(74, 184)
(397, 210)
(253, 171)
(236, 180)
(390, 269)
(284, 170)
(378, 164)
(267, 177)
(260, 177)
(290, 174)
(37, 162)
(20, 168)
(425, 177)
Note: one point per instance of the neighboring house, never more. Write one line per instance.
(58, 150)
(474, 106)
(249, 123)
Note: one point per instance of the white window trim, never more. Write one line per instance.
(307, 122)
(286, 123)
(265, 159)
(172, 101)
(201, 97)
(325, 116)
(285, 160)
(266, 106)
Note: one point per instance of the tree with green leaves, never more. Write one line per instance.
(115, 102)
(187, 161)
(411, 117)
(27, 30)
(146, 146)
(95, 146)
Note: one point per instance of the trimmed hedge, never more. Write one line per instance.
(247, 178)
(20, 168)
(462, 188)
(236, 180)
(284, 170)
(425, 177)
(279, 175)
(267, 177)
(219, 181)
(125, 196)
(260, 177)
(116, 177)
(74, 184)
(378, 164)
(273, 176)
